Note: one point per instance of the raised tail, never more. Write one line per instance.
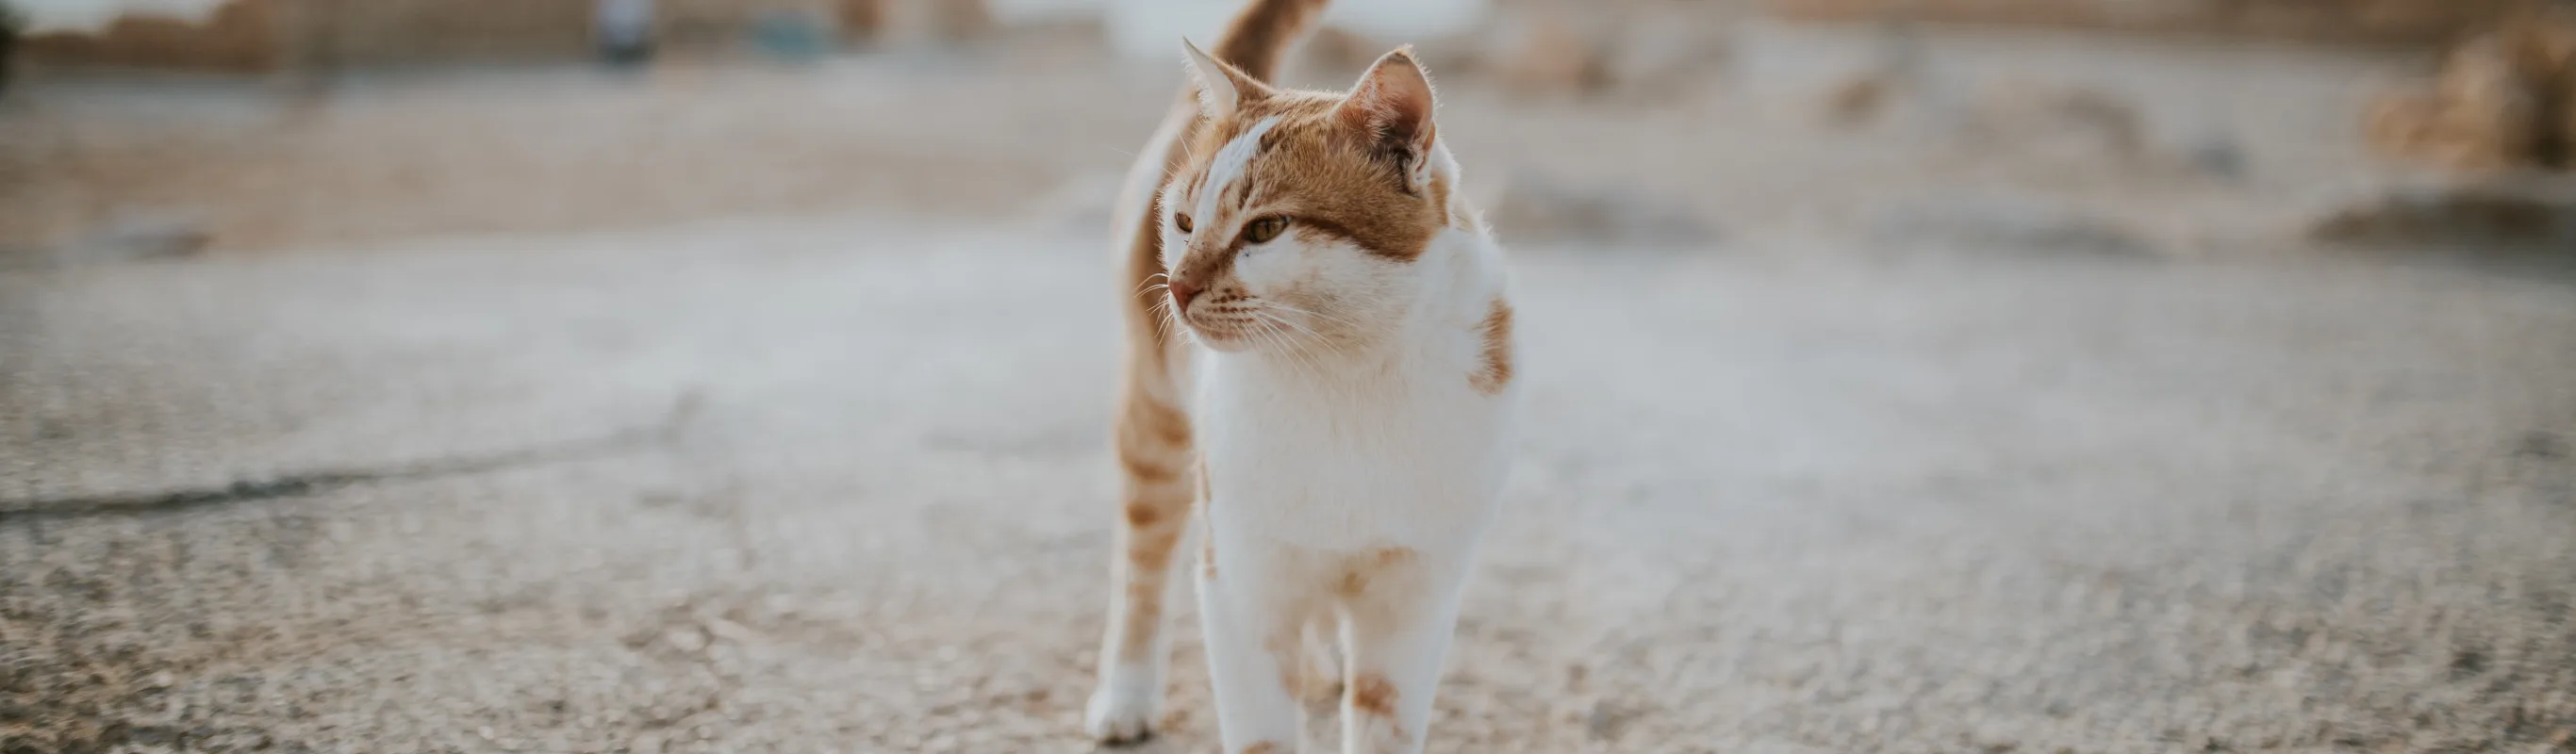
(1260, 35)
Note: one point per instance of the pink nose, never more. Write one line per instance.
(1182, 292)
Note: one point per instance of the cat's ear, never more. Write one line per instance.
(1392, 103)
(1223, 89)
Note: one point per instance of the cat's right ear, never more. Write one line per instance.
(1392, 104)
(1222, 88)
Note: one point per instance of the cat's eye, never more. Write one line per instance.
(1264, 229)
(1182, 222)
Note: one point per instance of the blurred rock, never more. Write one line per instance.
(2502, 100)
(1538, 206)
(2496, 216)
(2483, 115)
(2005, 224)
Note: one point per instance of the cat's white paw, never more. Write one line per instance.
(1122, 713)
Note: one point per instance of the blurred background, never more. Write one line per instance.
(734, 375)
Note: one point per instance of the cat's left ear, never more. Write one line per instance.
(1392, 104)
(1223, 89)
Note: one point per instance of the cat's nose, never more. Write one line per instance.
(1182, 292)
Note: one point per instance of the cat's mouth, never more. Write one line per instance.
(1224, 332)
(1226, 324)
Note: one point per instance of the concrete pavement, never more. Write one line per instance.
(840, 486)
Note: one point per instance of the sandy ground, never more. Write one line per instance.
(668, 471)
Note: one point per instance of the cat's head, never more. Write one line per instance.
(1298, 216)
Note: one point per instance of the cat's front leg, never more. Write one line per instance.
(1255, 654)
(1400, 615)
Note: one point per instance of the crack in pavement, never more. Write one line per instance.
(314, 482)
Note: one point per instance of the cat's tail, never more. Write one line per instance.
(1262, 33)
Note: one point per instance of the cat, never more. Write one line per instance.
(1321, 357)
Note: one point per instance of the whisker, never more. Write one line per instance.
(1313, 336)
(1268, 335)
(1163, 319)
(1328, 343)
(1297, 356)
(1310, 332)
(1285, 307)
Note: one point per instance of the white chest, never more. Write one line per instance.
(1413, 456)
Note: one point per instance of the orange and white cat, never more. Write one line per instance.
(1320, 355)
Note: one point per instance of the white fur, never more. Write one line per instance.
(1350, 429)
(1226, 167)
(1217, 95)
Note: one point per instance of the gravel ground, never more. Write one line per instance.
(842, 487)
(536, 445)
